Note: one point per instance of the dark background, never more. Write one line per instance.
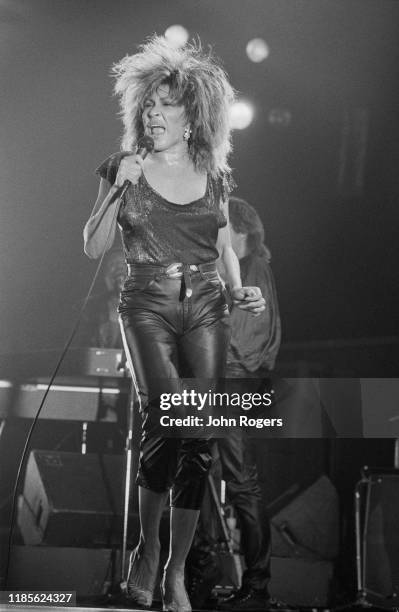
(335, 248)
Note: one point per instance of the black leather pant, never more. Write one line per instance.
(168, 336)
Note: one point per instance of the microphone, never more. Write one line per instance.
(144, 146)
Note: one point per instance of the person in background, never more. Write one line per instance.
(255, 341)
(251, 356)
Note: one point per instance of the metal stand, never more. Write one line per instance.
(116, 595)
(225, 530)
(128, 475)
(362, 515)
(134, 393)
(363, 510)
(361, 599)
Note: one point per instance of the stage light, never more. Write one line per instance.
(280, 117)
(241, 115)
(176, 35)
(257, 50)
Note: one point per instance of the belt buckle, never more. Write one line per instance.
(174, 270)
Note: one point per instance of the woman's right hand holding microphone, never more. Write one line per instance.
(130, 169)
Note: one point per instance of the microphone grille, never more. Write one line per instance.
(146, 142)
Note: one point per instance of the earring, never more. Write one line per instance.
(187, 133)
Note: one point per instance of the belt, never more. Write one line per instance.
(174, 270)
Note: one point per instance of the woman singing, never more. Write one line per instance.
(173, 313)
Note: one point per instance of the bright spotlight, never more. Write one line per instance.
(176, 35)
(241, 115)
(257, 50)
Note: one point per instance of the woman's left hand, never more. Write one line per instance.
(250, 299)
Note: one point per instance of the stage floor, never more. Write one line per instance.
(32, 608)
(28, 608)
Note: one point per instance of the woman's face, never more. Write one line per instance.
(163, 119)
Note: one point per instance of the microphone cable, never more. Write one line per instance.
(117, 195)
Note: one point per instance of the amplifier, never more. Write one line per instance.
(70, 499)
(68, 401)
(77, 362)
(308, 526)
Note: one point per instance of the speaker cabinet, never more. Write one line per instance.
(308, 526)
(305, 543)
(71, 499)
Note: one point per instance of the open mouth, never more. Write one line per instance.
(156, 130)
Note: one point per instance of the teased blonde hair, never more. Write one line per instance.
(196, 80)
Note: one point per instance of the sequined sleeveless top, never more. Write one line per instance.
(156, 231)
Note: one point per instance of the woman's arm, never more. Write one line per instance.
(99, 230)
(231, 266)
(246, 298)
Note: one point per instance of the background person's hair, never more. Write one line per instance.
(245, 220)
(196, 80)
